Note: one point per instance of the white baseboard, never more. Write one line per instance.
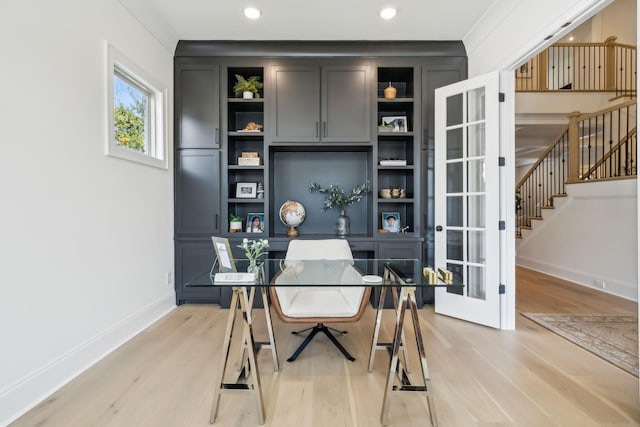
(26, 393)
(615, 287)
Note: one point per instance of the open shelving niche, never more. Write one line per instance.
(396, 145)
(241, 112)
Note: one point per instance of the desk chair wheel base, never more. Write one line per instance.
(325, 330)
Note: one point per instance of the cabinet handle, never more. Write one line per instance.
(217, 222)
(317, 129)
(217, 136)
(324, 129)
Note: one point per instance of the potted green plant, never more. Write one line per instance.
(339, 199)
(247, 88)
(235, 223)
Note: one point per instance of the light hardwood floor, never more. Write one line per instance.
(480, 376)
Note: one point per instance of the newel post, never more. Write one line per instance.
(542, 71)
(573, 150)
(610, 65)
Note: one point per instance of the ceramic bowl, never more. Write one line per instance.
(385, 193)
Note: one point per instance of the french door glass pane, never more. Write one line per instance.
(475, 282)
(454, 143)
(458, 277)
(454, 211)
(454, 245)
(476, 211)
(475, 176)
(454, 110)
(454, 177)
(476, 247)
(476, 140)
(475, 104)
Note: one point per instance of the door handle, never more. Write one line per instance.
(438, 228)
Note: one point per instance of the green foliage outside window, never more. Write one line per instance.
(129, 125)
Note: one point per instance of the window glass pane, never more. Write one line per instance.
(475, 104)
(454, 144)
(130, 115)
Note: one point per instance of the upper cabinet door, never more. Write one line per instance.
(314, 104)
(295, 104)
(197, 106)
(346, 104)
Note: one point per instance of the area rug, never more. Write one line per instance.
(613, 338)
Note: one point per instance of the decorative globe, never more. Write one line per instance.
(292, 214)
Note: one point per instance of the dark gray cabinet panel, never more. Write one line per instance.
(295, 112)
(313, 104)
(197, 192)
(197, 106)
(346, 104)
(193, 258)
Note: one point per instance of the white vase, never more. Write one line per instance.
(247, 94)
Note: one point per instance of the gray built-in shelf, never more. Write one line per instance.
(320, 109)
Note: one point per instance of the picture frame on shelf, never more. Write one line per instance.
(393, 124)
(255, 222)
(246, 190)
(391, 221)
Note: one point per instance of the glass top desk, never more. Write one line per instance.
(403, 276)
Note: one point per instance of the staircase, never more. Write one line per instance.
(593, 147)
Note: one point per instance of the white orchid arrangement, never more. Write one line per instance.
(253, 249)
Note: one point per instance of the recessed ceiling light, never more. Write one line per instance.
(388, 13)
(252, 13)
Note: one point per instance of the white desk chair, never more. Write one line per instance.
(321, 300)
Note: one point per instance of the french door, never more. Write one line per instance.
(467, 198)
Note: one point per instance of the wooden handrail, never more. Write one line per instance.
(542, 157)
(587, 116)
(613, 150)
(581, 67)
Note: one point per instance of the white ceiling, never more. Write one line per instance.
(309, 20)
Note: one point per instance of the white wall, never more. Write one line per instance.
(85, 240)
(512, 31)
(619, 19)
(590, 238)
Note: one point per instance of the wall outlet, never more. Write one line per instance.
(169, 278)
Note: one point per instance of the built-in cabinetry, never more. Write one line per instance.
(321, 117)
(312, 103)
